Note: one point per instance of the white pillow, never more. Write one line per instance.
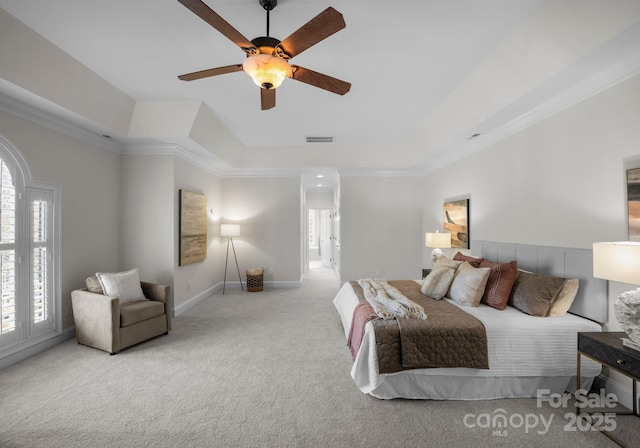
(124, 285)
(468, 284)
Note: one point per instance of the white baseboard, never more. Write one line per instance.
(178, 310)
(622, 391)
(27, 349)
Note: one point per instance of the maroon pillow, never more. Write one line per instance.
(501, 279)
(473, 261)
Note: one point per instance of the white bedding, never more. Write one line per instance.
(525, 353)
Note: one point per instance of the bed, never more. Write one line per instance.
(525, 353)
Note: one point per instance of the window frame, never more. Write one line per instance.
(29, 333)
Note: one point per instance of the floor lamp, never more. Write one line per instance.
(230, 230)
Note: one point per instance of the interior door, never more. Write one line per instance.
(325, 238)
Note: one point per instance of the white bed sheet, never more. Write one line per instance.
(521, 348)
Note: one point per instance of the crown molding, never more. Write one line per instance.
(605, 79)
(380, 172)
(150, 149)
(263, 172)
(51, 121)
(614, 74)
(205, 160)
(200, 158)
(581, 91)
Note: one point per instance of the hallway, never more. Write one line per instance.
(319, 274)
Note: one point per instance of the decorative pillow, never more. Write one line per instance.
(502, 276)
(468, 284)
(436, 284)
(93, 285)
(565, 298)
(473, 261)
(534, 294)
(124, 285)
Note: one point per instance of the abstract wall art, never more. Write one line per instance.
(456, 222)
(193, 227)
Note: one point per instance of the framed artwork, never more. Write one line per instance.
(193, 227)
(633, 203)
(456, 222)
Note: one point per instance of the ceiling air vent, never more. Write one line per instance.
(319, 139)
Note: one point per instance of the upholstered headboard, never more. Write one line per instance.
(591, 300)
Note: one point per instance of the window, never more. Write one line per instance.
(40, 251)
(8, 251)
(26, 254)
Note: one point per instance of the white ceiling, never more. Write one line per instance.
(425, 74)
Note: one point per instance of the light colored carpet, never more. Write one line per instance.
(263, 369)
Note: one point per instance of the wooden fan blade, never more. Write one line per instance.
(315, 30)
(212, 18)
(211, 72)
(267, 98)
(319, 80)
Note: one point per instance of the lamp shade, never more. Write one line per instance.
(437, 240)
(267, 71)
(617, 261)
(229, 229)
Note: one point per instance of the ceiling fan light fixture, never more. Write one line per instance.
(267, 57)
(267, 70)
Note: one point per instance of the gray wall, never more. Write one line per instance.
(150, 223)
(269, 212)
(147, 217)
(196, 278)
(381, 227)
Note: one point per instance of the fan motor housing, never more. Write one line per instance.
(265, 41)
(268, 4)
(268, 45)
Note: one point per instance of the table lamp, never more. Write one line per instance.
(438, 241)
(620, 262)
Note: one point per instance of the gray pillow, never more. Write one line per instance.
(534, 294)
(437, 283)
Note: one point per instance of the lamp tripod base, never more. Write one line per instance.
(226, 262)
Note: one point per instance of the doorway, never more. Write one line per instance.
(319, 222)
(320, 233)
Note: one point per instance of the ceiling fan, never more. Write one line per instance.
(267, 57)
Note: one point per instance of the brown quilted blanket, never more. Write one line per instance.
(448, 338)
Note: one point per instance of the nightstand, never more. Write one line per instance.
(607, 349)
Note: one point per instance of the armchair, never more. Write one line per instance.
(104, 323)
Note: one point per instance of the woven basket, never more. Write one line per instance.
(255, 279)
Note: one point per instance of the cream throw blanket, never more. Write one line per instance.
(387, 301)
